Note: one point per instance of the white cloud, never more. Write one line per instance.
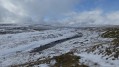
(113, 18)
(94, 17)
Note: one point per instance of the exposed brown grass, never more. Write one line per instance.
(67, 60)
(64, 60)
(111, 33)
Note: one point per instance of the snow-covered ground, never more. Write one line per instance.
(21, 43)
(16, 48)
(79, 47)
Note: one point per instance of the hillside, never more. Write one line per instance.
(54, 47)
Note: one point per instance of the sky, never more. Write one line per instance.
(64, 12)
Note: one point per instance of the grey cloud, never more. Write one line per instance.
(33, 11)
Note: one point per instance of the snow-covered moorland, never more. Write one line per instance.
(27, 48)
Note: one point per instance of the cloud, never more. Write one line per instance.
(33, 11)
(53, 12)
(93, 17)
(10, 13)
